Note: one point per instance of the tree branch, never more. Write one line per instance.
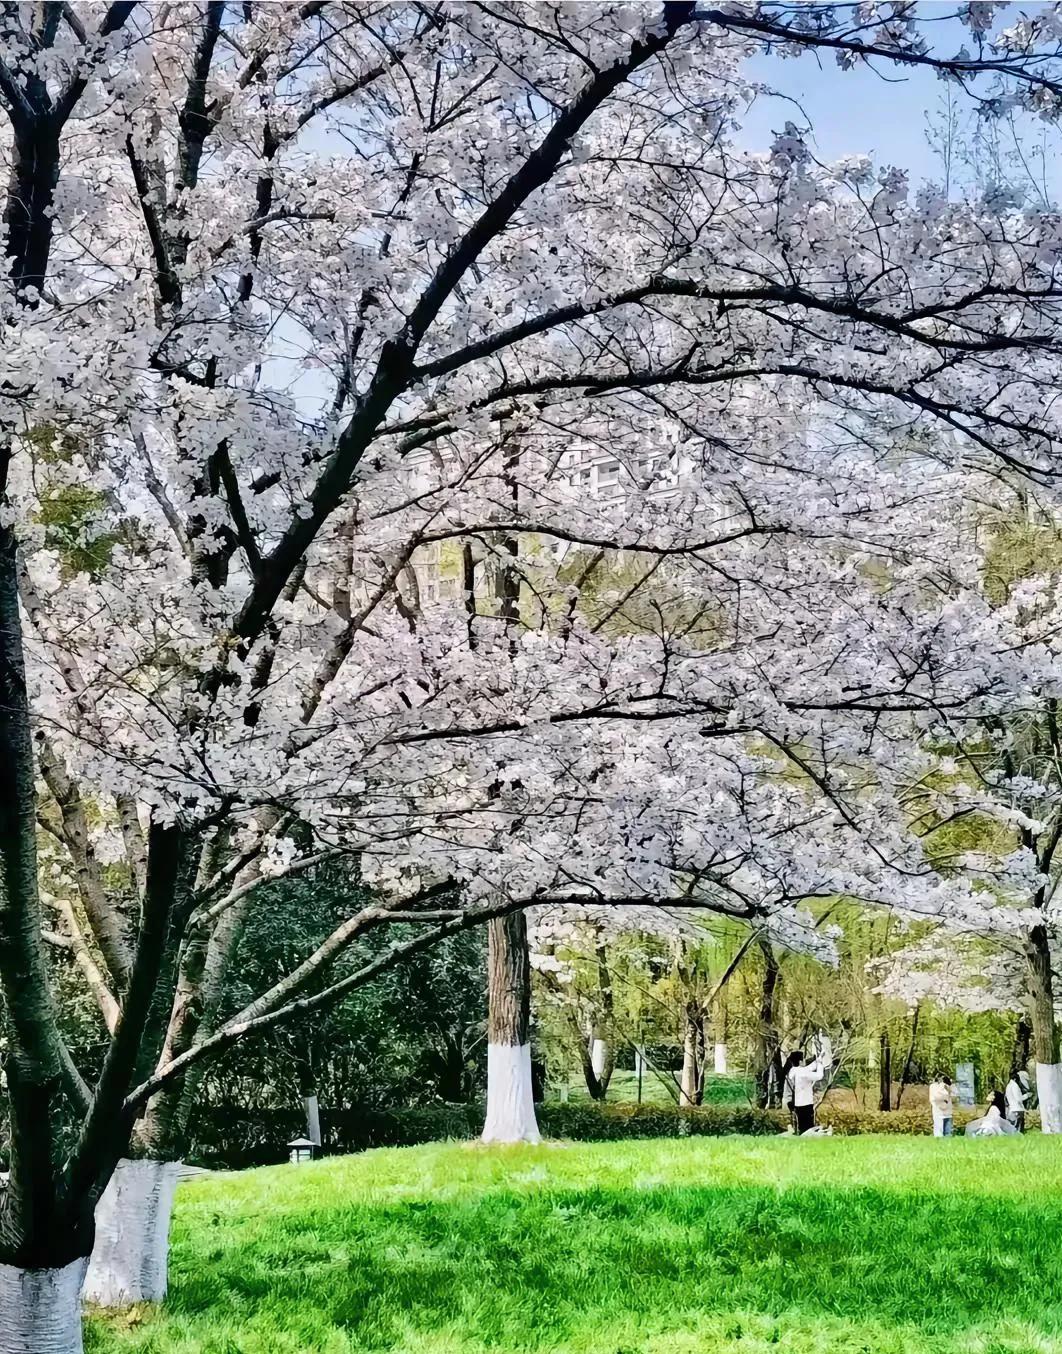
(395, 366)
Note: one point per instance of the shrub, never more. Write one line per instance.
(847, 1122)
(230, 1137)
(593, 1123)
(225, 1136)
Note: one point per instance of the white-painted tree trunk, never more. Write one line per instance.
(1049, 1093)
(721, 1066)
(510, 1103)
(40, 1309)
(510, 1097)
(313, 1119)
(598, 1056)
(130, 1260)
(1047, 1050)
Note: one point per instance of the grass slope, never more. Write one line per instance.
(733, 1245)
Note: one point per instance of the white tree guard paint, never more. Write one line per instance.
(598, 1056)
(721, 1065)
(130, 1259)
(1049, 1093)
(313, 1119)
(40, 1309)
(510, 1103)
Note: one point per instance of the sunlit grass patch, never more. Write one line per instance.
(842, 1246)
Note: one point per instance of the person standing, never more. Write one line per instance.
(804, 1077)
(941, 1104)
(1015, 1096)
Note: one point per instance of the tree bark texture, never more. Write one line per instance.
(32, 1235)
(885, 1073)
(510, 1099)
(130, 1258)
(40, 1309)
(769, 1068)
(1045, 1042)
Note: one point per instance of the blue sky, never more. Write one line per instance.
(850, 111)
(880, 112)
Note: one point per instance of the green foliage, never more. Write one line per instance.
(607, 1123)
(740, 1246)
(1018, 550)
(71, 516)
(630, 594)
(660, 1088)
(231, 1137)
(415, 1037)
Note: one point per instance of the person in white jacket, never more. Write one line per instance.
(1016, 1096)
(802, 1080)
(941, 1104)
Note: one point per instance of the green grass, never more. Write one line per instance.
(733, 1089)
(729, 1245)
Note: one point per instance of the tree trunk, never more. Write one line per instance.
(161, 1129)
(162, 1132)
(602, 1053)
(598, 1053)
(687, 1082)
(313, 1119)
(510, 1097)
(885, 1073)
(691, 1083)
(905, 1075)
(1044, 1030)
(586, 1056)
(448, 1065)
(721, 1022)
(769, 1071)
(40, 1309)
(130, 1258)
(47, 1223)
(1022, 1043)
(602, 1062)
(34, 1234)
(538, 1080)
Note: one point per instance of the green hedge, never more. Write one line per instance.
(846, 1122)
(593, 1123)
(230, 1137)
(227, 1137)
(597, 1122)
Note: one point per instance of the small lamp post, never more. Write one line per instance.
(300, 1150)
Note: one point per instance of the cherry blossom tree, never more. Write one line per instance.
(297, 292)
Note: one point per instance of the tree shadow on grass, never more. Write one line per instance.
(544, 1270)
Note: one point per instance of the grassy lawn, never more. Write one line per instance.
(623, 1089)
(729, 1245)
